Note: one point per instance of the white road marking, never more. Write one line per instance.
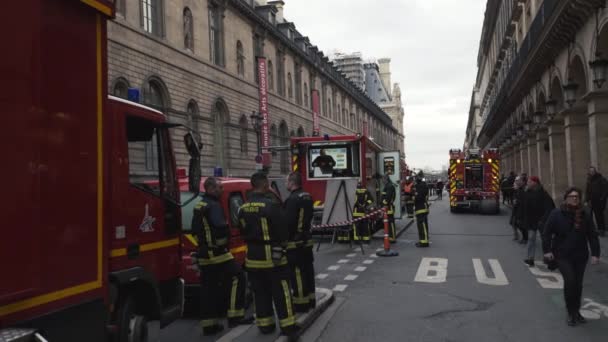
(351, 277)
(322, 275)
(556, 280)
(333, 267)
(360, 269)
(379, 249)
(351, 255)
(373, 256)
(500, 279)
(368, 261)
(342, 261)
(437, 266)
(340, 288)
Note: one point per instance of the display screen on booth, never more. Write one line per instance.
(333, 161)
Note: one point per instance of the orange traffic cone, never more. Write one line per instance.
(387, 252)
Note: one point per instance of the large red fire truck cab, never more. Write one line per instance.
(91, 250)
(474, 180)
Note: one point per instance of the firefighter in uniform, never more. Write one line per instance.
(263, 229)
(408, 189)
(421, 207)
(388, 202)
(298, 212)
(222, 279)
(363, 202)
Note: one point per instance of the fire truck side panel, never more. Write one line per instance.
(54, 90)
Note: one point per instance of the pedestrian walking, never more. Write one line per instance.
(298, 211)
(263, 228)
(388, 202)
(538, 204)
(421, 207)
(595, 197)
(568, 234)
(439, 189)
(221, 277)
(517, 212)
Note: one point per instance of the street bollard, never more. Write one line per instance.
(387, 252)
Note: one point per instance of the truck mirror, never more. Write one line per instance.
(192, 146)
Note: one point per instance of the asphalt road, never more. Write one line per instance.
(397, 299)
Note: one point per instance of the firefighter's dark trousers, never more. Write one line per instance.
(409, 206)
(222, 292)
(302, 277)
(361, 231)
(423, 227)
(392, 230)
(271, 285)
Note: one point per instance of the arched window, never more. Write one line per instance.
(301, 132)
(243, 128)
(240, 59)
(121, 88)
(155, 96)
(151, 16)
(270, 76)
(298, 80)
(188, 30)
(273, 135)
(306, 91)
(289, 85)
(284, 141)
(338, 114)
(192, 111)
(219, 115)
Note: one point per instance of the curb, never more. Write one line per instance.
(307, 319)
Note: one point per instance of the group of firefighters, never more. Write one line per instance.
(416, 203)
(279, 258)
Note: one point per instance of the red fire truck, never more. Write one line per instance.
(355, 158)
(474, 180)
(91, 250)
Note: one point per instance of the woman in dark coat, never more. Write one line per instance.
(568, 231)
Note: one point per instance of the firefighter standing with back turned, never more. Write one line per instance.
(298, 211)
(388, 202)
(408, 189)
(421, 207)
(222, 279)
(263, 229)
(363, 201)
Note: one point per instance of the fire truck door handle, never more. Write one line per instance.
(133, 251)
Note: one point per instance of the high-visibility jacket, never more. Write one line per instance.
(363, 199)
(421, 199)
(263, 228)
(408, 188)
(211, 231)
(298, 213)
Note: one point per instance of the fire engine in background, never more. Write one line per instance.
(332, 186)
(91, 250)
(474, 180)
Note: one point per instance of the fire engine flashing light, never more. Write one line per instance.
(490, 160)
(325, 136)
(458, 161)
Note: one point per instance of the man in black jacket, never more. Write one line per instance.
(421, 207)
(221, 275)
(537, 206)
(596, 195)
(298, 211)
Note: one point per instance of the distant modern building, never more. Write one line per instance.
(351, 65)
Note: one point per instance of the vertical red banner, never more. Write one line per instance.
(316, 121)
(263, 90)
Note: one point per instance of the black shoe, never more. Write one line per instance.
(579, 318)
(571, 321)
(233, 322)
(213, 329)
(267, 330)
(301, 308)
(529, 262)
(422, 245)
(292, 332)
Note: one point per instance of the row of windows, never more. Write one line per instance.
(287, 85)
(156, 95)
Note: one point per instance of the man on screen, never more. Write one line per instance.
(324, 162)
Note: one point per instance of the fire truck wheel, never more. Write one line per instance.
(132, 327)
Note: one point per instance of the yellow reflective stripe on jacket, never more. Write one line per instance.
(358, 214)
(215, 260)
(422, 211)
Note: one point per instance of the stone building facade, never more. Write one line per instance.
(195, 61)
(539, 96)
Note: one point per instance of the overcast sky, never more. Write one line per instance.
(433, 48)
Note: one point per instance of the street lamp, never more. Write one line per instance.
(550, 107)
(599, 66)
(256, 123)
(570, 92)
(527, 125)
